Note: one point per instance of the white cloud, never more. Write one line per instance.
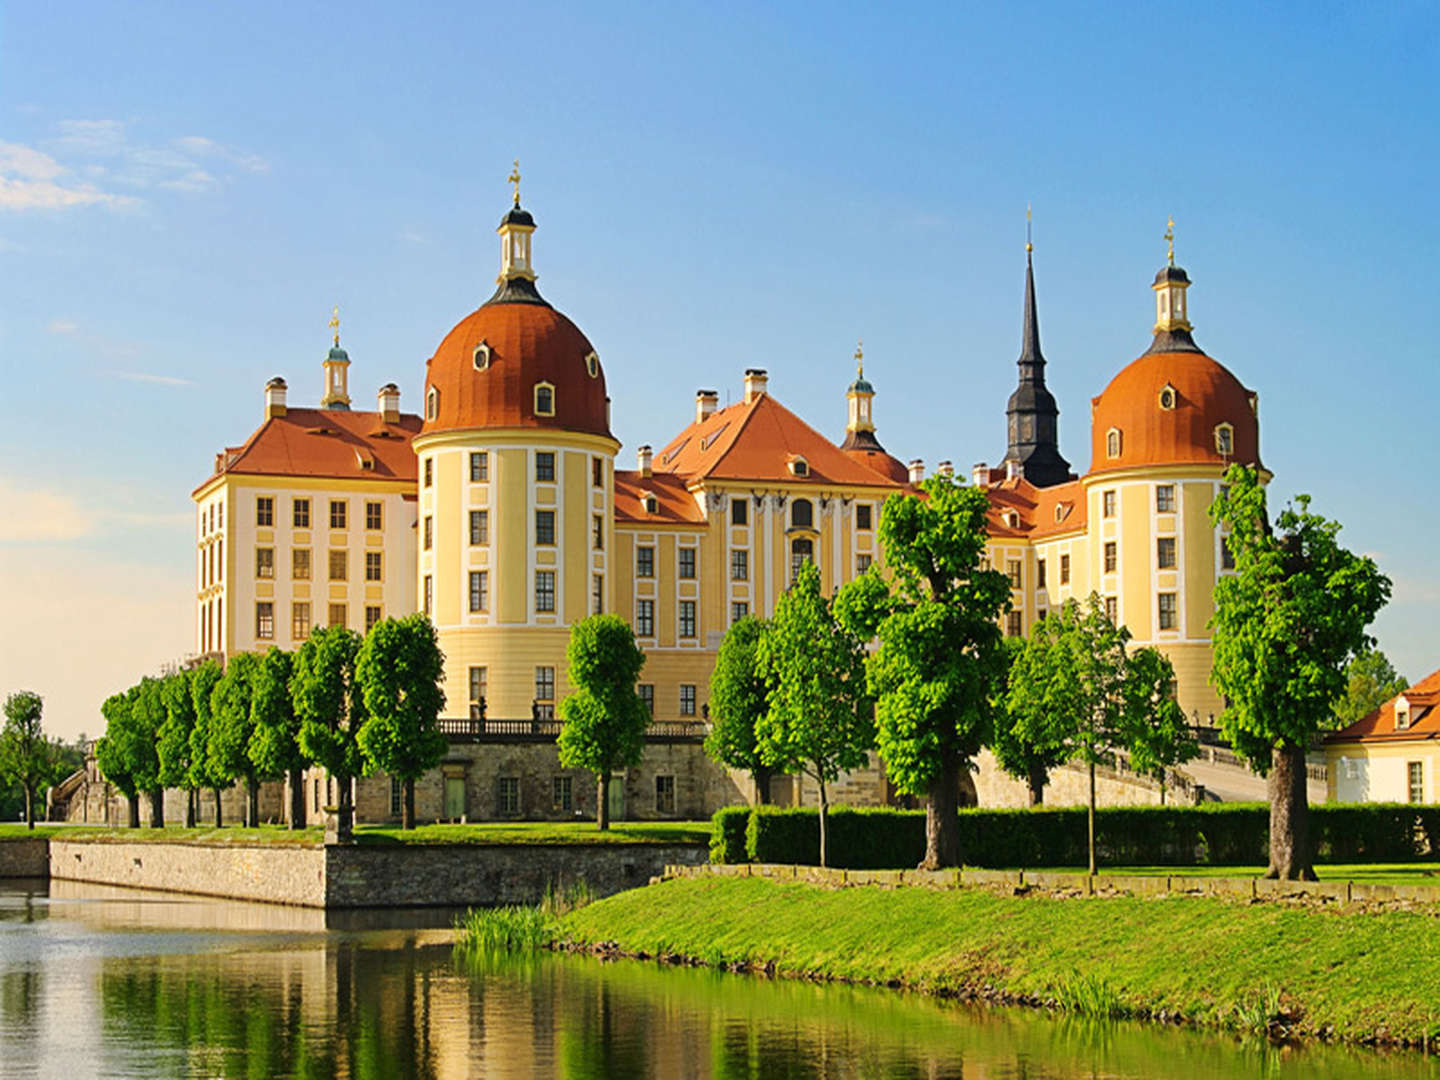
(31, 179)
(62, 326)
(158, 380)
(41, 516)
(27, 163)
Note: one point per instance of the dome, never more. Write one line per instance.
(526, 344)
(1171, 273)
(878, 461)
(1172, 408)
(517, 216)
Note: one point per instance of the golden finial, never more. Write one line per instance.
(1029, 247)
(335, 324)
(1170, 238)
(514, 178)
(860, 357)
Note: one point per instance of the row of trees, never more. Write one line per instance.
(347, 704)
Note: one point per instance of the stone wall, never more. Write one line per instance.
(97, 802)
(1069, 785)
(281, 875)
(25, 857)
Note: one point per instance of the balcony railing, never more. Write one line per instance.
(494, 730)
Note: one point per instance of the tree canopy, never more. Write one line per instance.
(232, 727)
(27, 758)
(739, 697)
(204, 770)
(330, 706)
(275, 747)
(1371, 680)
(1029, 750)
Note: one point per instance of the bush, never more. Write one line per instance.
(1215, 834)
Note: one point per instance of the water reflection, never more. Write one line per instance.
(93, 983)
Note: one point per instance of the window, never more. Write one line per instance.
(221, 508)
(265, 620)
(862, 516)
(429, 471)
(1014, 572)
(862, 563)
(1112, 443)
(597, 593)
(545, 590)
(1167, 610)
(544, 399)
(1227, 557)
(652, 504)
(544, 526)
(1165, 498)
(1012, 624)
(561, 794)
(545, 466)
(739, 609)
(374, 516)
(479, 467)
(481, 357)
(300, 564)
(800, 467)
(397, 796)
(338, 564)
(740, 565)
(338, 615)
(338, 517)
(265, 562)
(687, 618)
(317, 793)
(687, 699)
(479, 679)
(597, 529)
(1112, 609)
(1165, 552)
(645, 561)
(1224, 440)
(264, 511)
(1040, 573)
(592, 364)
(428, 596)
(1064, 569)
(300, 620)
(644, 618)
(373, 566)
(1109, 556)
(545, 692)
(300, 514)
(647, 697)
(1107, 503)
(739, 511)
(479, 590)
(507, 799)
(802, 514)
(1415, 771)
(479, 526)
(1167, 398)
(687, 563)
(429, 530)
(597, 473)
(665, 794)
(432, 403)
(372, 616)
(801, 552)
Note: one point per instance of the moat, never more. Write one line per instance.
(97, 981)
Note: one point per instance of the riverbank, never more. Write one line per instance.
(1295, 968)
(496, 832)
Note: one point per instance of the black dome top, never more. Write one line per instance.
(1170, 273)
(517, 216)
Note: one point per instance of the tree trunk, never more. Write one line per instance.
(346, 805)
(192, 809)
(297, 798)
(29, 807)
(407, 809)
(157, 808)
(1090, 818)
(252, 803)
(824, 822)
(762, 776)
(134, 803)
(1036, 778)
(602, 799)
(942, 817)
(1162, 789)
(218, 822)
(1290, 858)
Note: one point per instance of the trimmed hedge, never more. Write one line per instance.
(1216, 834)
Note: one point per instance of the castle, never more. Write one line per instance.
(502, 513)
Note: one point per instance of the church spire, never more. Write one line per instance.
(1032, 417)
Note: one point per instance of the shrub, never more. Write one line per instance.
(727, 834)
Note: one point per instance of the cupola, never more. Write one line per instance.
(516, 229)
(1170, 285)
(860, 443)
(337, 370)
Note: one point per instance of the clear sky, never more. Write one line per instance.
(187, 189)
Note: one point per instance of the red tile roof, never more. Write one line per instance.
(1379, 725)
(1039, 512)
(674, 503)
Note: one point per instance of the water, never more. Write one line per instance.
(105, 982)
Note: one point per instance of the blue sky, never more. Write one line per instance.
(186, 190)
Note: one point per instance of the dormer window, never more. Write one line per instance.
(799, 466)
(652, 504)
(544, 399)
(1224, 440)
(1402, 714)
(1011, 519)
(1167, 397)
(482, 357)
(432, 403)
(592, 364)
(1112, 443)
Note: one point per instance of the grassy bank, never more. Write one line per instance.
(1214, 962)
(518, 832)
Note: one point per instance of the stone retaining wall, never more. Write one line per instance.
(277, 875)
(25, 857)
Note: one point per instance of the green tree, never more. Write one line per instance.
(173, 741)
(1371, 680)
(399, 669)
(940, 666)
(331, 708)
(275, 747)
(1286, 625)
(204, 771)
(113, 752)
(820, 720)
(605, 717)
(1027, 752)
(739, 697)
(147, 714)
(1157, 734)
(27, 757)
(233, 726)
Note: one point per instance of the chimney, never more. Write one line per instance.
(644, 456)
(1012, 470)
(275, 398)
(389, 403)
(980, 474)
(917, 471)
(944, 469)
(755, 383)
(705, 402)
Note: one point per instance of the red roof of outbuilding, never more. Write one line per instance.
(674, 505)
(1379, 725)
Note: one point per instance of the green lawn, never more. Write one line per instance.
(1211, 959)
(516, 832)
(1427, 873)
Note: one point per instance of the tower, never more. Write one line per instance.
(337, 371)
(860, 442)
(1032, 417)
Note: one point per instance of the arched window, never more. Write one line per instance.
(1224, 440)
(482, 356)
(801, 552)
(1112, 443)
(802, 514)
(432, 403)
(544, 399)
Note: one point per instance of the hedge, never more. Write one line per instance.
(1217, 834)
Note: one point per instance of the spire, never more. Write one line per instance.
(337, 369)
(1030, 355)
(1032, 417)
(335, 323)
